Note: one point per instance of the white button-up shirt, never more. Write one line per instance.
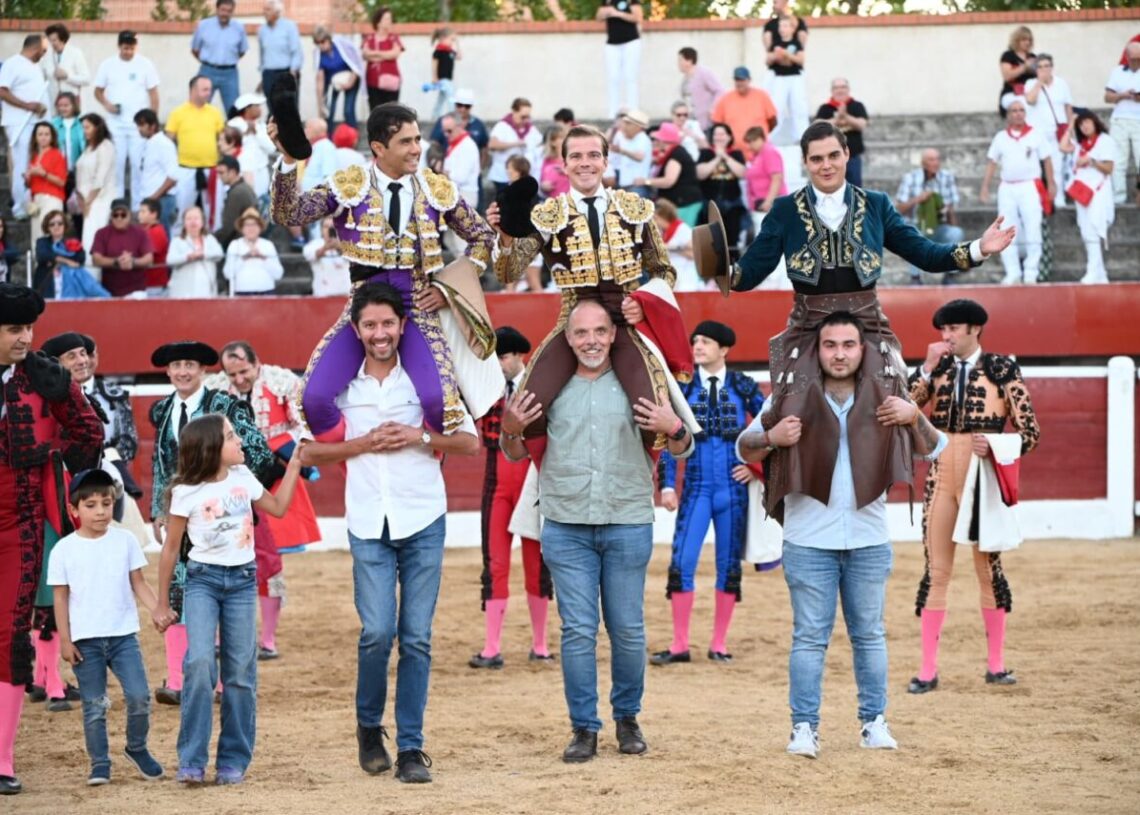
(971, 362)
(407, 196)
(601, 205)
(404, 488)
(192, 402)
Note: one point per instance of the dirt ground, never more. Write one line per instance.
(1064, 740)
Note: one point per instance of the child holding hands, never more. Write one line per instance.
(93, 572)
(211, 500)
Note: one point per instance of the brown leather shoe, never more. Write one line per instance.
(583, 747)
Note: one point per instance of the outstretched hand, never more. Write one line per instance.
(995, 239)
(520, 411)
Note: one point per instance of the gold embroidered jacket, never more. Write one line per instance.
(995, 392)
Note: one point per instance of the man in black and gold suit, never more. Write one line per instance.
(599, 244)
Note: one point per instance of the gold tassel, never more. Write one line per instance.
(349, 221)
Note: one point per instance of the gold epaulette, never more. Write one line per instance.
(551, 215)
(350, 185)
(632, 207)
(440, 191)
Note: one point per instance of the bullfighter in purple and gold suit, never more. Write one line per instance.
(388, 217)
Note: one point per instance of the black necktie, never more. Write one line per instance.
(962, 375)
(510, 389)
(394, 206)
(592, 220)
(714, 404)
(183, 418)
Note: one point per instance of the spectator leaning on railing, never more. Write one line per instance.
(928, 199)
(123, 251)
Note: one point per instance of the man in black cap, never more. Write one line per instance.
(715, 489)
(974, 394)
(185, 363)
(45, 423)
(123, 251)
(502, 487)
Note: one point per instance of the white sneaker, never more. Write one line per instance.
(877, 735)
(805, 741)
(1010, 280)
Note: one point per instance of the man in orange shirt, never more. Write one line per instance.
(745, 107)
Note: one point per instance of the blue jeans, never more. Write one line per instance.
(225, 598)
(586, 561)
(122, 657)
(377, 564)
(814, 577)
(331, 95)
(225, 82)
(944, 233)
(168, 209)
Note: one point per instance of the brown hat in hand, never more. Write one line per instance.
(710, 250)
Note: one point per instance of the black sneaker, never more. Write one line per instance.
(630, 740)
(1001, 678)
(36, 693)
(668, 658)
(264, 654)
(10, 785)
(922, 685)
(374, 758)
(58, 705)
(71, 693)
(537, 657)
(412, 767)
(495, 663)
(145, 763)
(720, 656)
(582, 747)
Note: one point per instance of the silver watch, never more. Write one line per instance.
(425, 438)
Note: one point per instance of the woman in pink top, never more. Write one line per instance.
(764, 176)
(553, 179)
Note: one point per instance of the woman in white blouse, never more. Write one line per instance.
(95, 178)
(193, 258)
(252, 265)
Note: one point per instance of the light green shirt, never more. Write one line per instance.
(595, 470)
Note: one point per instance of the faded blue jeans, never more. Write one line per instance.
(122, 657)
(607, 561)
(815, 578)
(416, 562)
(219, 600)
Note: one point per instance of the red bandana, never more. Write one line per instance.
(671, 230)
(453, 143)
(521, 130)
(1025, 132)
(1088, 144)
(838, 105)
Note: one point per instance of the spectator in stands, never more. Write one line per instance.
(69, 130)
(252, 265)
(623, 51)
(781, 11)
(9, 254)
(279, 48)
(239, 198)
(95, 178)
(631, 152)
(700, 87)
(745, 106)
(1020, 153)
(158, 167)
(123, 251)
(445, 53)
(677, 181)
(678, 239)
(64, 66)
(514, 135)
(1122, 91)
(345, 140)
(927, 199)
(1050, 110)
(329, 266)
(720, 169)
(464, 102)
(157, 274)
(461, 161)
(56, 249)
(851, 117)
(229, 144)
(257, 149)
(1018, 65)
(193, 259)
(339, 69)
(218, 44)
(1092, 188)
(764, 176)
(23, 102)
(46, 175)
(693, 139)
(381, 51)
(565, 116)
(553, 180)
(124, 85)
(785, 42)
(322, 163)
(194, 126)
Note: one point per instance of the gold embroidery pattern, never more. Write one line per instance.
(291, 207)
(440, 191)
(429, 327)
(474, 231)
(551, 215)
(350, 185)
(655, 257)
(961, 256)
(633, 208)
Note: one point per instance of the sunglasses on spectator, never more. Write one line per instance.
(120, 213)
(461, 105)
(681, 114)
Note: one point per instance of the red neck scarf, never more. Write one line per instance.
(671, 230)
(453, 143)
(1024, 132)
(838, 105)
(521, 130)
(1088, 144)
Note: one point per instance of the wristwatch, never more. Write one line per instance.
(680, 434)
(425, 438)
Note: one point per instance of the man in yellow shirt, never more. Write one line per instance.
(194, 126)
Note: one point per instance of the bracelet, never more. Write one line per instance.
(914, 422)
(678, 432)
(514, 436)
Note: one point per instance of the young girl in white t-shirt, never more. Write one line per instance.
(211, 500)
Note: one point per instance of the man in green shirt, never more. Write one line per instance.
(596, 495)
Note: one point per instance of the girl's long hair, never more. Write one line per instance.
(199, 452)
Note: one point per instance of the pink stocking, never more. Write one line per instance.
(270, 614)
(175, 652)
(495, 614)
(931, 633)
(538, 607)
(11, 705)
(682, 611)
(725, 605)
(47, 664)
(995, 638)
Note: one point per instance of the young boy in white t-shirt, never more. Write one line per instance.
(93, 572)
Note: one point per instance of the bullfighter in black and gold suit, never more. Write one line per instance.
(973, 393)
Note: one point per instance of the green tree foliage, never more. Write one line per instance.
(182, 9)
(51, 9)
